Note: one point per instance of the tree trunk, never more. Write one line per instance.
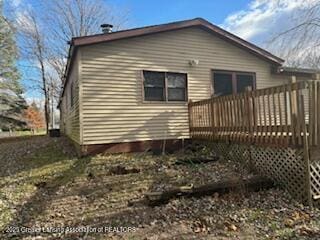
(44, 86)
(46, 111)
(46, 97)
(253, 184)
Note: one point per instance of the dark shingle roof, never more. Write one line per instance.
(143, 31)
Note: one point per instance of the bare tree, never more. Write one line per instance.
(75, 18)
(45, 38)
(300, 43)
(34, 47)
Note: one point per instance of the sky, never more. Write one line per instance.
(253, 20)
(146, 12)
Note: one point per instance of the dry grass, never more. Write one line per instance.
(50, 187)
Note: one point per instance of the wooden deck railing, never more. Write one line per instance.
(279, 115)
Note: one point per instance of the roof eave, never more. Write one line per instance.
(131, 33)
(199, 22)
(292, 71)
(72, 49)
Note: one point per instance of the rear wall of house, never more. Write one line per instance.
(113, 109)
(70, 115)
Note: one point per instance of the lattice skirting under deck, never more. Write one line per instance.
(285, 166)
(315, 175)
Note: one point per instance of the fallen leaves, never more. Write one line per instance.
(230, 227)
(309, 231)
(95, 197)
(295, 218)
(200, 226)
(288, 222)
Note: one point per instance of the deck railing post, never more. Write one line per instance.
(249, 112)
(306, 152)
(212, 117)
(190, 118)
(294, 110)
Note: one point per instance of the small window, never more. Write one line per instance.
(227, 82)
(177, 86)
(154, 86)
(244, 81)
(165, 86)
(222, 84)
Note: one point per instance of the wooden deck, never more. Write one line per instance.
(276, 129)
(279, 115)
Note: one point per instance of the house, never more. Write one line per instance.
(129, 90)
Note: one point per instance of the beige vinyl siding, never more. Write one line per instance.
(70, 120)
(288, 78)
(113, 109)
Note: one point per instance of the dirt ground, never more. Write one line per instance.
(46, 192)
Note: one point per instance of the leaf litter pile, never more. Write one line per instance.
(43, 184)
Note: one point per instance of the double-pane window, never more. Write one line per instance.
(227, 82)
(165, 86)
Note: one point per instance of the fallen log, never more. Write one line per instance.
(120, 170)
(197, 160)
(254, 183)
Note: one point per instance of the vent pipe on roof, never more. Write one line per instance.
(106, 28)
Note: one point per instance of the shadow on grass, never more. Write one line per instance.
(42, 165)
(19, 138)
(32, 153)
(105, 199)
(109, 197)
(42, 162)
(38, 203)
(48, 169)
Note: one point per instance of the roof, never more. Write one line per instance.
(307, 72)
(143, 31)
(136, 32)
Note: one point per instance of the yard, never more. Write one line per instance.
(43, 184)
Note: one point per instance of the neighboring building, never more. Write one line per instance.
(129, 90)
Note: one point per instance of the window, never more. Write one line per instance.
(176, 86)
(154, 86)
(244, 81)
(222, 84)
(165, 86)
(226, 82)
